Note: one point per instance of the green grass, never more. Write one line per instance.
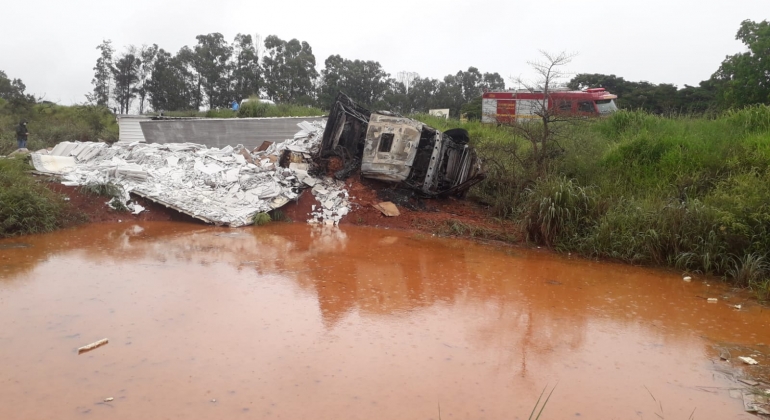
(279, 216)
(107, 189)
(27, 206)
(50, 124)
(261, 219)
(532, 415)
(253, 109)
(684, 191)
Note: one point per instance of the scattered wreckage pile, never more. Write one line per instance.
(229, 186)
(225, 186)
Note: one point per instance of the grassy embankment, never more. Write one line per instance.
(49, 124)
(687, 192)
(26, 205)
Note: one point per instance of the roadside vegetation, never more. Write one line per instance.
(49, 124)
(27, 206)
(690, 192)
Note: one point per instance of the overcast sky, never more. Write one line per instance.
(50, 44)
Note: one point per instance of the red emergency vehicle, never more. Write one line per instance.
(506, 107)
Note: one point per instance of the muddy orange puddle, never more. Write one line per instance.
(293, 322)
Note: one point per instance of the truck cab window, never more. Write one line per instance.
(586, 107)
(386, 142)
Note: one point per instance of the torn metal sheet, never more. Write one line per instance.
(393, 148)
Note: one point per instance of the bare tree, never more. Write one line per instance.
(544, 129)
(406, 78)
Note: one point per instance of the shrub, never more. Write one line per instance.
(261, 219)
(26, 206)
(556, 208)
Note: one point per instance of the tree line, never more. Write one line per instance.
(213, 72)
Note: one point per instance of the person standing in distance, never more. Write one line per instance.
(21, 135)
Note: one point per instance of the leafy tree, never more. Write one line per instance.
(11, 89)
(697, 99)
(212, 56)
(125, 72)
(470, 81)
(171, 86)
(289, 70)
(662, 98)
(364, 81)
(247, 76)
(450, 94)
(492, 82)
(422, 94)
(147, 56)
(472, 109)
(453, 92)
(744, 79)
(189, 60)
(102, 75)
(396, 97)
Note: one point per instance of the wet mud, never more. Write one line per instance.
(294, 321)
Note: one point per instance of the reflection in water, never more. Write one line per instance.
(295, 321)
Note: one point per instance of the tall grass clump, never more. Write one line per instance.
(26, 206)
(106, 189)
(556, 208)
(755, 118)
(261, 219)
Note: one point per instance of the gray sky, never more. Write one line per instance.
(50, 44)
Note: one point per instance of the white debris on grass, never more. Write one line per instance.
(220, 186)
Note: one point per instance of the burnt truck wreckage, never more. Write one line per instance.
(389, 147)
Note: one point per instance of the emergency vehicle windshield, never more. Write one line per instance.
(606, 106)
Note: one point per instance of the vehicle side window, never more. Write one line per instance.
(386, 142)
(586, 107)
(565, 106)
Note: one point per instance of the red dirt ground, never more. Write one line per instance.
(96, 209)
(437, 213)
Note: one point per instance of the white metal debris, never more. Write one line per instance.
(748, 360)
(334, 201)
(225, 186)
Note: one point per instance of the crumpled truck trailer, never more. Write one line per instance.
(393, 148)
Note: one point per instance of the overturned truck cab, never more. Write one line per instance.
(393, 148)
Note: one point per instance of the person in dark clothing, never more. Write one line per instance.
(21, 135)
